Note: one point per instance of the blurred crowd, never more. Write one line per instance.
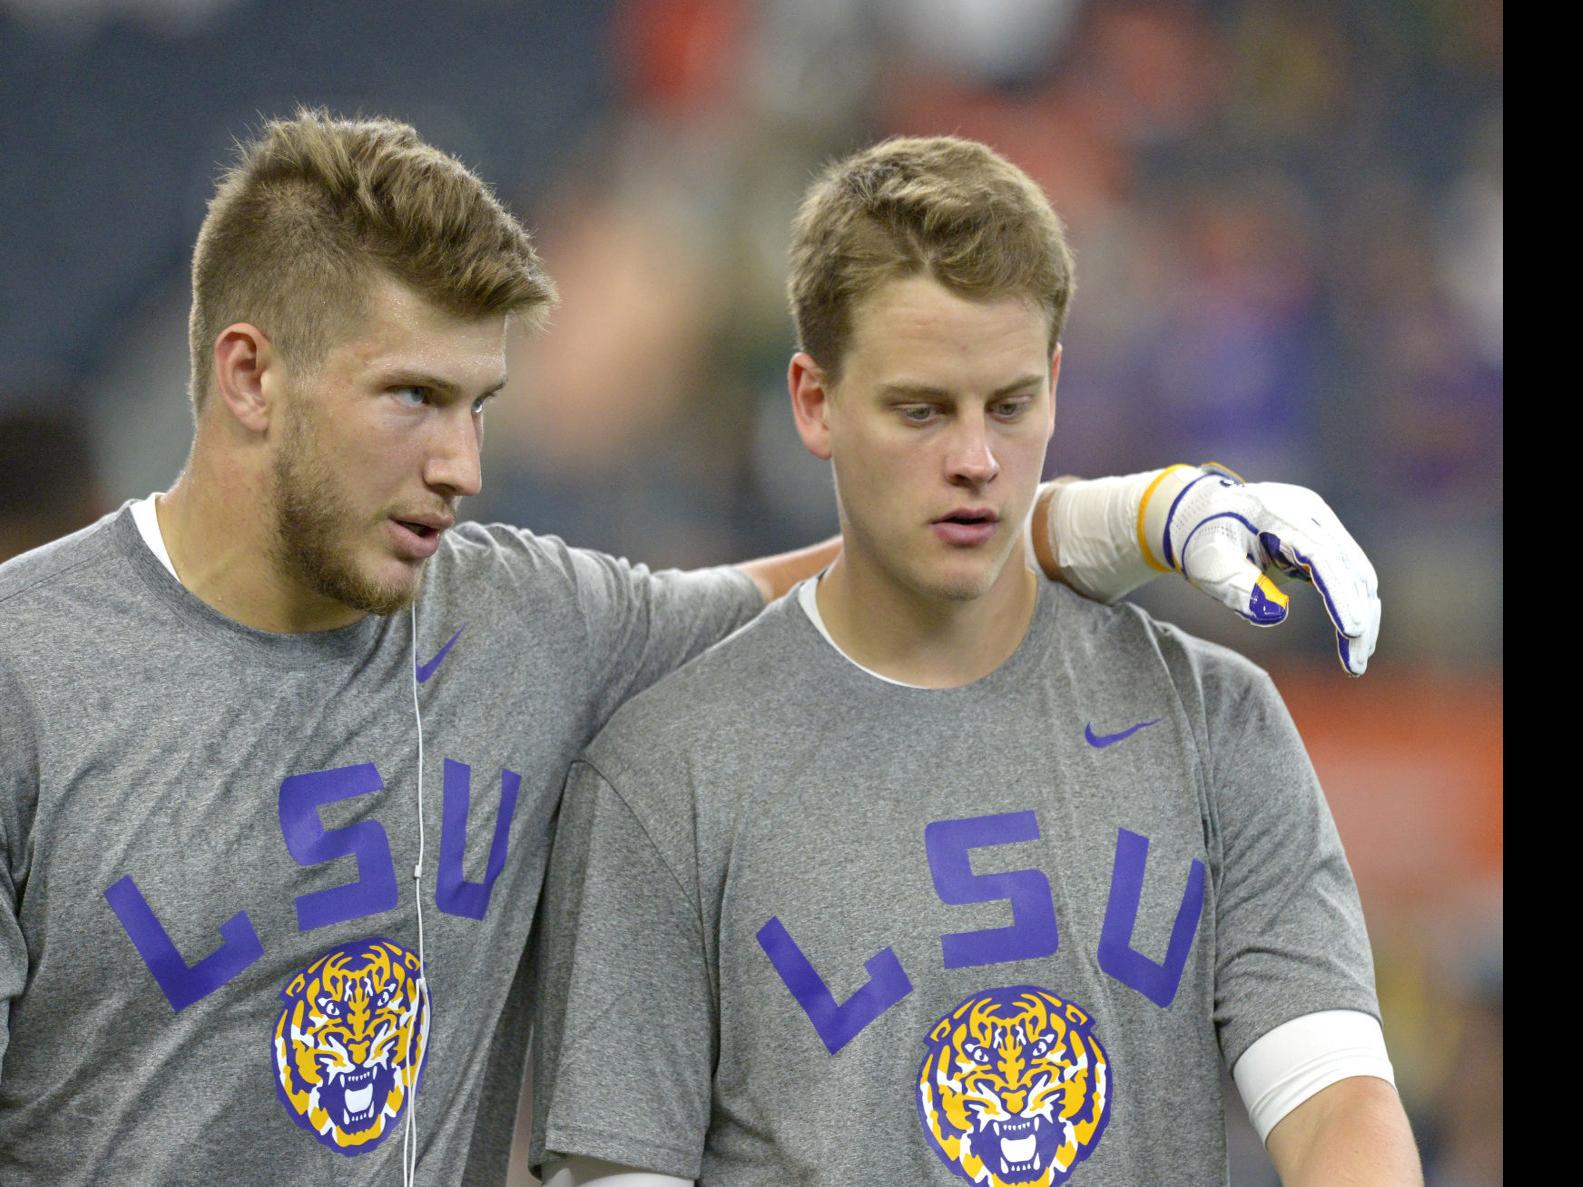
(1289, 231)
(1288, 225)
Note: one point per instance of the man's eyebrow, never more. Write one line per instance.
(926, 391)
(417, 377)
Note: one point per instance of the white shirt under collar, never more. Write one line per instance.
(810, 605)
(144, 515)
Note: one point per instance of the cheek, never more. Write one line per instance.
(1027, 442)
(1022, 464)
(893, 459)
(369, 479)
(881, 486)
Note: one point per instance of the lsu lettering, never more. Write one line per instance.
(350, 1043)
(1015, 1090)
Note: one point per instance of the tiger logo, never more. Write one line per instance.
(350, 1042)
(1015, 1089)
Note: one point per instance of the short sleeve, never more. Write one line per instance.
(1289, 931)
(18, 791)
(643, 625)
(625, 1038)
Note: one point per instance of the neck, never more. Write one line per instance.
(221, 540)
(927, 641)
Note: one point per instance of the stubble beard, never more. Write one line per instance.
(313, 520)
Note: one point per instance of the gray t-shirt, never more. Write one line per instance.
(208, 937)
(806, 926)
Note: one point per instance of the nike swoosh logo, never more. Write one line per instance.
(1100, 741)
(427, 670)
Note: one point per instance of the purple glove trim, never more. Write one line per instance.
(1319, 584)
(1170, 560)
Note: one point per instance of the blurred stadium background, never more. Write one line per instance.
(1289, 229)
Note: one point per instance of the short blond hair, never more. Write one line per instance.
(951, 209)
(315, 206)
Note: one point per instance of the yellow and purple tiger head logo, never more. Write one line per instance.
(350, 1042)
(1015, 1089)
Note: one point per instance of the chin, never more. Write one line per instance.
(382, 587)
(393, 594)
(960, 585)
(970, 582)
(962, 591)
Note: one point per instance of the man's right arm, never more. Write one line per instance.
(1094, 535)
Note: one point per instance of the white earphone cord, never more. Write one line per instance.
(409, 1132)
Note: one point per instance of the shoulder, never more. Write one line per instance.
(484, 566)
(25, 579)
(516, 562)
(50, 599)
(685, 756)
(54, 599)
(1124, 643)
(482, 548)
(743, 690)
(1122, 655)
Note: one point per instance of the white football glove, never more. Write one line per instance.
(1228, 538)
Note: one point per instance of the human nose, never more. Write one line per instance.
(455, 465)
(972, 462)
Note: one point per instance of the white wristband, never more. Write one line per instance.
(1107, 534)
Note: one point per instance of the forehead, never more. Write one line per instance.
(914, 330)
(400, 328)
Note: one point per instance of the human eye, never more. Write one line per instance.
(410, 396)
(916, 414)
(478, 404)
(1011, 409)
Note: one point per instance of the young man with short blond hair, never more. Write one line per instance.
(937, 872)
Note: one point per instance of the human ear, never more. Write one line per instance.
(1055, 375)
(810, 399)
(242, 355)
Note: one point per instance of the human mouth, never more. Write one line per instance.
(966, 527)
(418, 537)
